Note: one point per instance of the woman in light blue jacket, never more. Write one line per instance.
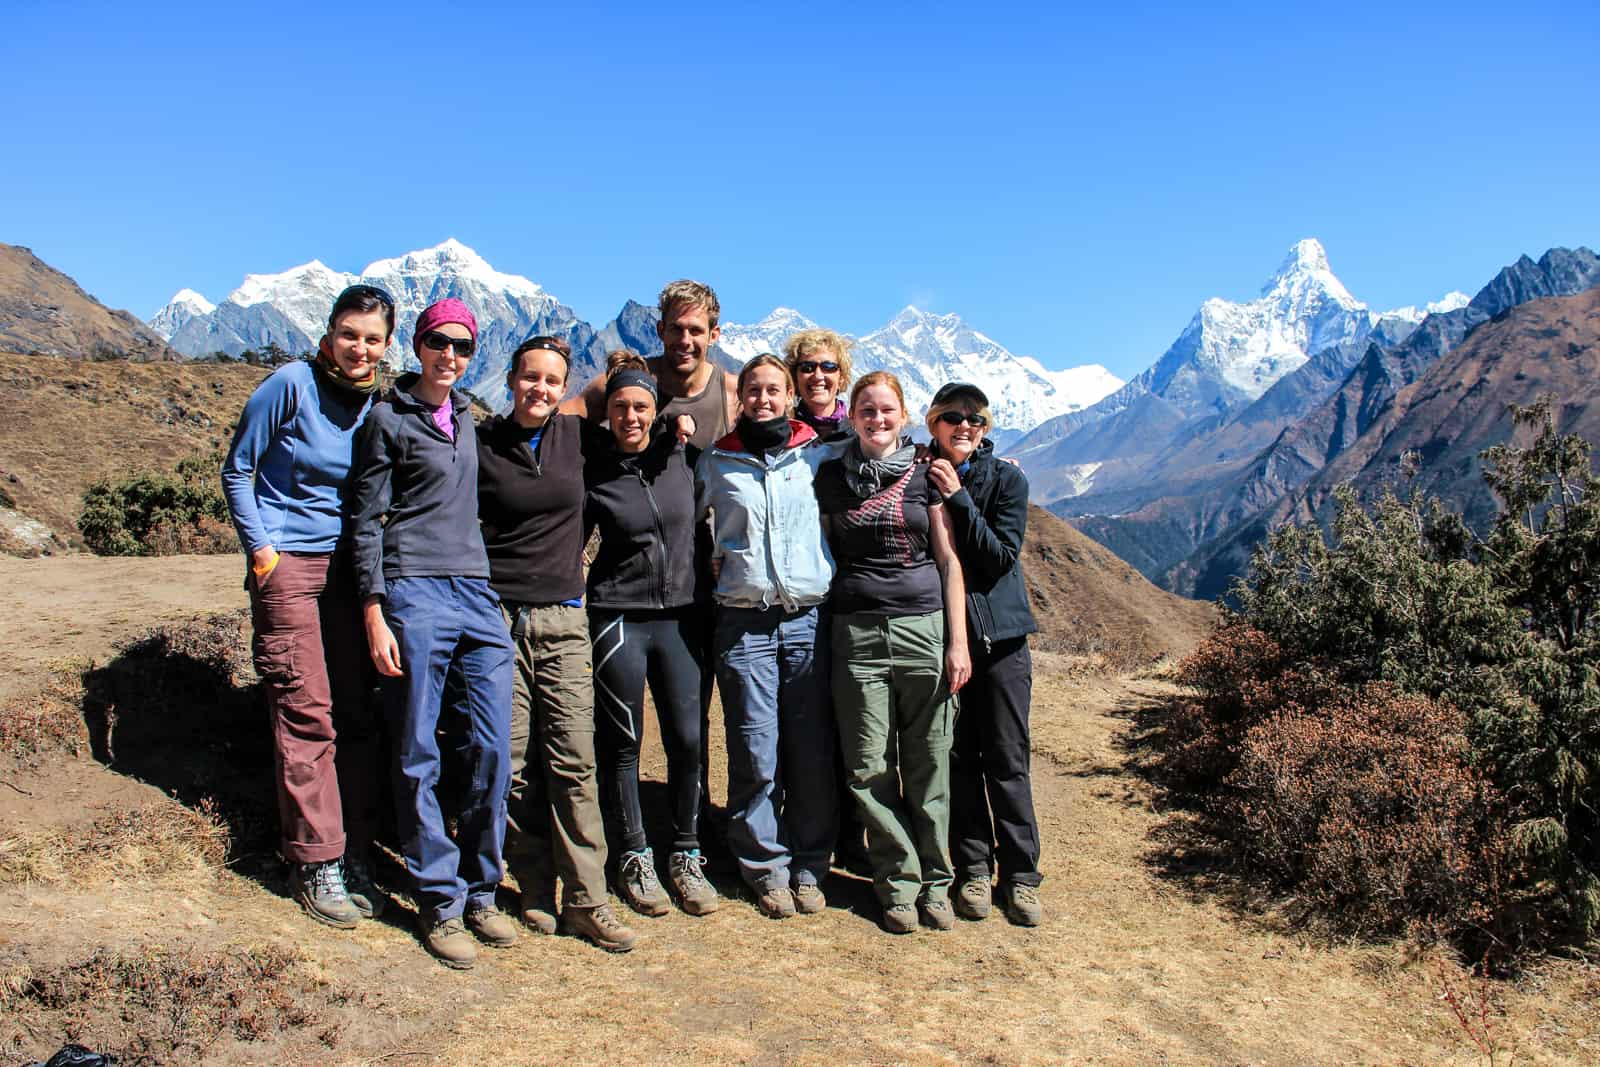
(772, 568)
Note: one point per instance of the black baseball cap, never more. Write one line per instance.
(960, 391)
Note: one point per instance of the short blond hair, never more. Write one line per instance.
(765, 359)
(692, 293)
(964, 404)
(811, 344)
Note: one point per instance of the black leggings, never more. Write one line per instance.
(663, 647)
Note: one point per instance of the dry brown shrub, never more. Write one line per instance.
(154, 838)
(1366, 805)
(203, 537)
(48, 720)
(167, 1006)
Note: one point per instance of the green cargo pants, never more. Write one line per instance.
(896, 719)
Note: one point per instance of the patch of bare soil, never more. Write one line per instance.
(1130, 967)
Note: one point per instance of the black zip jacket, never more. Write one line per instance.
(988, 516)
(653, 555)
(531, 503)
(414, 494)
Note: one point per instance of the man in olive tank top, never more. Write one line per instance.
(689, 382)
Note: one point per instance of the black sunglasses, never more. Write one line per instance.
(373, 291)
(438, 342)
(956, 418)
(811, 366)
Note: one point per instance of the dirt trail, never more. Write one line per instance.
(1128, 968)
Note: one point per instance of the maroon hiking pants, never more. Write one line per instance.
(311, 653)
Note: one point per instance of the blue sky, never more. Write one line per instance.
(1073, 182)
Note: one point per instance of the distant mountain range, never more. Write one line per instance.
(924, 350)
(1183, 471)
(43, 311)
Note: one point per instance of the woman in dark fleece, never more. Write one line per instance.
(434, 627)
(992, 822)
(647, 603)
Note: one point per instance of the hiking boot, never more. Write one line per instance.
(364, 893)
(1022, 904)
(686, 871)
(973, 898)
(319, 887)
(937, 914)
(638, 885)
(808, 898)
(900, 919)
(776, 903)
(597, 925)
(493, 926)
(449, 942)
(537, 909)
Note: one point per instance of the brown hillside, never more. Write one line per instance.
(70, 423)
(45, 312)
(1088, 601)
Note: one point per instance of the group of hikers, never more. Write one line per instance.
(857, 599)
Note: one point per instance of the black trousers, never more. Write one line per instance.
(992, 824)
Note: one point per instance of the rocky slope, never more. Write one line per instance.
(44, 311)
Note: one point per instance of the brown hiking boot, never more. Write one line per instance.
(808, 898)
(899, 919)
(319, 889)
(686, 871)
(1022, 904)
(776, 903)
(638, 885)
(493, 926)
(598, 925)
(937, 914)
(973, 898)
(537, 909)
(367, 896)
(449, 942)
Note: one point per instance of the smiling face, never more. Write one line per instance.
(686, 334)
(537, 385)
(878, 418)
(957, 442)
(442, 367)
(357, 341)
(818, 388)
(631, 411)
(764, 393)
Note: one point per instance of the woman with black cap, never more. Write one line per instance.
(992, 821)
(647, 598)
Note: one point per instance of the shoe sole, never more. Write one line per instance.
(698, 910)
(935, 924)
(1024, 920)
(454, 965)
(544, 928)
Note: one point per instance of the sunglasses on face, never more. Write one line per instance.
(811, 366)
(438, 342)
(956, 418)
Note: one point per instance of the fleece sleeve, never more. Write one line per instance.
(370, 496)
(988, 547)
(270, 408)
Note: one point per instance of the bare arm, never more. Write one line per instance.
(957, 661)
(590, 401)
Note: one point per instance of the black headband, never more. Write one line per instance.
(631, 376)
(548, 346)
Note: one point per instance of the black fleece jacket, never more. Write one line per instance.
(531, 504)
(414, 494)
(988, 516)
(653, 554)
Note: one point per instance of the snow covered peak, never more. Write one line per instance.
(192, 300)
(450, 257)
(307, 277)
(1450, 301)
(1306, 255)
(1304, 275)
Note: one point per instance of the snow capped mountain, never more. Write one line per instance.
(290, 309)
(185, 304)
(925, 351)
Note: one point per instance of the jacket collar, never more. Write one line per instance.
(403, 399)
(799, 435)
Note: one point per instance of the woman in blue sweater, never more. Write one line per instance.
(285, 480)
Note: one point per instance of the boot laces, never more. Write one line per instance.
(640, 869)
